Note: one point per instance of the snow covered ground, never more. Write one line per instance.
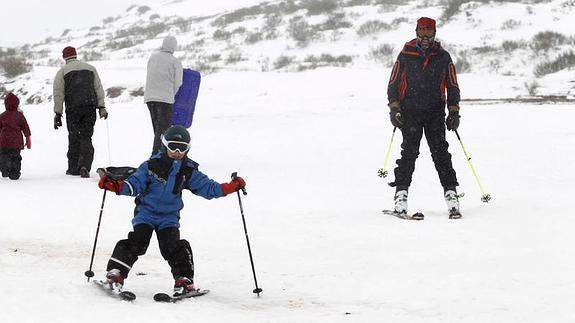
(309, 146)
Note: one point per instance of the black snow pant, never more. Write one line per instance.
(80, 123)
(161, 114)
(176, 251)
(415, 124)
(10, 162)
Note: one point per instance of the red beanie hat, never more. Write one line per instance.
(11, 101)
(69, 52)
(426, 22)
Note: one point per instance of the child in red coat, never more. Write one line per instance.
(12, 125)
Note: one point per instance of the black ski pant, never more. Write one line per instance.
(80, 123)
(161, 114)
(176, 251)
(416, 123)
(10, 162)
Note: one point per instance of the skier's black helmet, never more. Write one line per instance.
(176, 138)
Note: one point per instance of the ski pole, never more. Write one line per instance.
(109, 150)
(382, 172)
(485, 197)
(89, 273)
(257, 290)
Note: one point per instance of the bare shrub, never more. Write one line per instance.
(14, 66)
(545, 40)
(254, 37)
(92, 55)
(372, 27)
(353, 3)
(149, 31)
(510, 24)
(234, 57)
(237, 15)
(143, 9)
(123, 43)
(272, 21)
(563, 61)
(239, 30)
(137, 92)
(335, 21)
(318, 7)
(108, 20)
(531, 87)
(301, 31)
(510, 45)
(283, 61)
(204, 67)
(381, 53)
(182, 24)
(398, 21)
(221, 34)
(114, 91)
(484, 49)
(462, 65)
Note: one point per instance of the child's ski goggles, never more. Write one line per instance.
(176, 146)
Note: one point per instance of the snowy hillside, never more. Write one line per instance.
(512, 48)
(323, 251)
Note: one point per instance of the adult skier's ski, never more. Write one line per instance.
(165, 298)
(123, 295)
(416, 216)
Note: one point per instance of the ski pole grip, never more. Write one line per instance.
(234, 175)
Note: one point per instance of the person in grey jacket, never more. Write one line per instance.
(78, 86)
(163, 79)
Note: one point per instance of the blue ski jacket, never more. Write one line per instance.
(157, 185)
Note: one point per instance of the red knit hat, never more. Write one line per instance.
(425, 22)
(69, 52)
(11, 101)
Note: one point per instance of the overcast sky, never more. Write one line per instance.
(29, 21)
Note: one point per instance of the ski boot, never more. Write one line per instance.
(400, 201)
(84, 172)
(115, 280)
(183, 285)
(452, 201)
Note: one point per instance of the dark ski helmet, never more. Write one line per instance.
(176, 138)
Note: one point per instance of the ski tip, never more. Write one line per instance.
(162, 297)
(127, 296)
(417, 216)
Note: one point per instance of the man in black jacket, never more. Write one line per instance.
(422, 82)
(78, 86)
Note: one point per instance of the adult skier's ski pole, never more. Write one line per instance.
(485, 197)
(257, 290)
(382, 172)
(89, 273)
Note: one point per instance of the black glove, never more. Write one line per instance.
(396, 117)
(57, 121)
(452, 120)
(103, 113)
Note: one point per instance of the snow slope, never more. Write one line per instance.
(309, 145)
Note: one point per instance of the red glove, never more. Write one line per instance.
(110, 185)
(233, 186)
(28, 142)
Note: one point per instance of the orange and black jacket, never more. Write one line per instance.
(423, 80)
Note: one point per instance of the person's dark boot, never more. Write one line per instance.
(84, 172)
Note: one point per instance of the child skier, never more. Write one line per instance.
(157, 185)
(12, 125)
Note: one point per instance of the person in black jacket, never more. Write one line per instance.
(78, 86)
(422, 82)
